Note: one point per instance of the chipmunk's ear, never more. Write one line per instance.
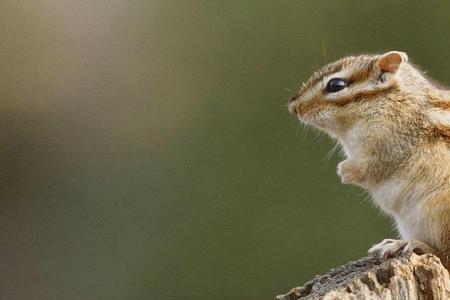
(390, 61)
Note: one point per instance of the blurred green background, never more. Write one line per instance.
(147, 152)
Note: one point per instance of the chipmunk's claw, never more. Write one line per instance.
(388, 248)
(392, 248)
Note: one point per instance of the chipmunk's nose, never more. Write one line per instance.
(295, 97)
(291, 104)
(292, 108)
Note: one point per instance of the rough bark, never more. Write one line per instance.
(407, 277)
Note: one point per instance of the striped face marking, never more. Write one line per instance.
(353, 77)
(322, 99)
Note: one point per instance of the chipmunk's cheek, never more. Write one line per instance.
(346, 121)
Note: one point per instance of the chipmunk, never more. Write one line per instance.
(394, 127)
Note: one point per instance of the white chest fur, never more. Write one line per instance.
(406, 203)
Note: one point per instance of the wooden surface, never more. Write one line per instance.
(407, 277)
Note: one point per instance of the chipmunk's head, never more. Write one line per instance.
(355, 89)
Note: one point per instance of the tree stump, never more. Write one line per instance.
(410, 276)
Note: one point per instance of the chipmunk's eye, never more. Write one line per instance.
(335, 85)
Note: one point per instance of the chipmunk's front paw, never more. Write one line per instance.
(388, 248)
(349, 172)
(391, 248)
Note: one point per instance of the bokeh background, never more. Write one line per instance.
(147, 152)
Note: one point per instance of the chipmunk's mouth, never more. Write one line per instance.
(310, 118)
(305, 115)
(314, 117)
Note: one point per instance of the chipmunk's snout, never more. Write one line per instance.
(292, 109)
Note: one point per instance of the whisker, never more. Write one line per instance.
(319, 135)
(315, 66)
(305, 131)
(332, 151)
(324, 51)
